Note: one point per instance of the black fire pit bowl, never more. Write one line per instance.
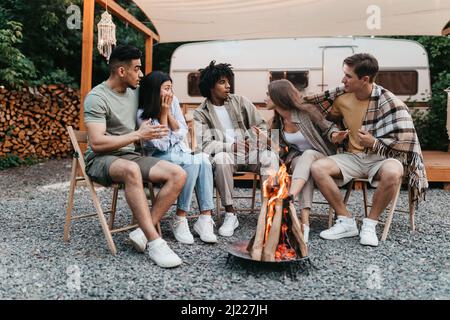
(237, 251)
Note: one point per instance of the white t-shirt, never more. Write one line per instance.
(298, 139)
(227, 124)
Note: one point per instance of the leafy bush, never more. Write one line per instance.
(59, 76)
(15, 68)
(431, 128)
(12, 160)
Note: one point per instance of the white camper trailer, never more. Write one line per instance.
(312, 64)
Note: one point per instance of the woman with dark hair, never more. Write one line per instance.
(302, 130)
(158, 105)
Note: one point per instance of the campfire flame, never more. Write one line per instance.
(274, 188)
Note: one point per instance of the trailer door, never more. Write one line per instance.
(332, 58)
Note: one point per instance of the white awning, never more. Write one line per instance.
(195, 20)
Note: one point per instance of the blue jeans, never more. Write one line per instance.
(199, 176)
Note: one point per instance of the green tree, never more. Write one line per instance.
(53, 48)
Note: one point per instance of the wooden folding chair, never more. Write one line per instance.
(79, 177)
(390, 209)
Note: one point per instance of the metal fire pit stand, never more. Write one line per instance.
(237, 252)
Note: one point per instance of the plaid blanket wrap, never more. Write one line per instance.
(389, 121)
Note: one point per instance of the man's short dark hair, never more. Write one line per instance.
(123, 55)
(364, 64)
(211, 74)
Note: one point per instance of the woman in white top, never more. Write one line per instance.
(158, 105)
(306, 134)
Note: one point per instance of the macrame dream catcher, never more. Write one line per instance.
(106, 34)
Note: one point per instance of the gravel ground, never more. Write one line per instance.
(35, 263)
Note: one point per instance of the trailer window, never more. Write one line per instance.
(193, 81)
(298, 78)
(399, 82)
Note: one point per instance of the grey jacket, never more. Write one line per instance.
(208, 128)
(318, 135)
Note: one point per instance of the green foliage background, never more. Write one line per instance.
(37, 47)
(431, 128)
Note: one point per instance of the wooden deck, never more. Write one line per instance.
(437, 164)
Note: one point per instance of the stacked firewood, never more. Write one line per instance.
(33, 121)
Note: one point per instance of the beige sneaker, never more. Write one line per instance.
(229, 224)
(368, 235)
(305, 233)
(138, 240)
(162, 255)
(205, 228)
(181, 232)
(343, 228)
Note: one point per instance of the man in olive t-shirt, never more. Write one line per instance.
(110, 118)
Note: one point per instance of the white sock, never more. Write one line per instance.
(155, 241)
(204, 216)
(370, 222)
(180, 218)
(346, 219)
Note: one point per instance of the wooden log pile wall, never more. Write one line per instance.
(33, 121)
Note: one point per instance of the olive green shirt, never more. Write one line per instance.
(117, 111)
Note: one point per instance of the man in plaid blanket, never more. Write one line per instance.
(379, 143)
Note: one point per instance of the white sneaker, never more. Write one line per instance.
(205, 228)
(343, 228)
(162, 255)
(138, 240)
(229, 224)
(305, 233)
(181, 230)
(368, 235)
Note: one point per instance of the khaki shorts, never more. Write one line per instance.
(97, 167)
(359, 165)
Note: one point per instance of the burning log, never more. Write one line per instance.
(278, 233)
(255, 246)
(297, 230)
(273, 234)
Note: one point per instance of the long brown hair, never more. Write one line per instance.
(286, 96)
